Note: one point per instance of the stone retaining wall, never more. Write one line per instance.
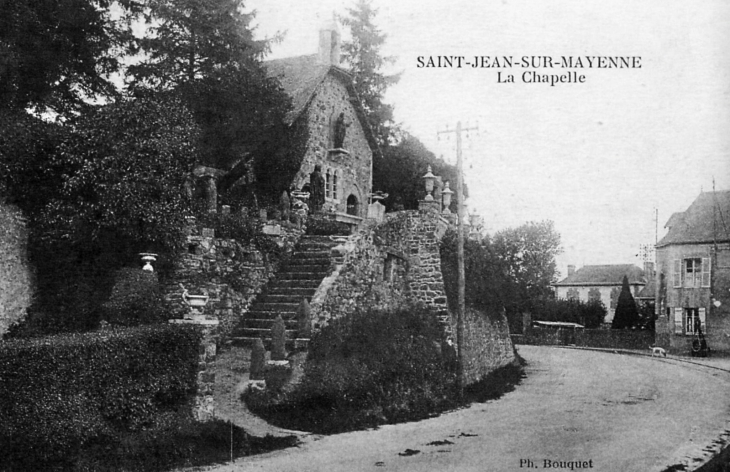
(601, 338)
(384, 265)
(487, 344)
(230, 273)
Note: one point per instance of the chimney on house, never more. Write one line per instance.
(571, 270)
(648, 270)
(329, 43)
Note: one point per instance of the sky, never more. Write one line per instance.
(598, 158)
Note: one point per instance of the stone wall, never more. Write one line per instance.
(204, 402)
(486, 346)
(599, 338)
(388, 264)
(383, 266)
(16, 276)
(230, 273)
(353, 167)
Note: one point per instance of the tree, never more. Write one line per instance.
(205, 51)
(399, 171)
(527, 254)
(626, 315)
(363, 54)
(57, 54)
(121, 170)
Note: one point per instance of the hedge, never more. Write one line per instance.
(60, 393)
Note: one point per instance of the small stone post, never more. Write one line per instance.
(258, 360)
(304, 322)
(278, 340)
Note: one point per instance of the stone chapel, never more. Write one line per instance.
(339, 138)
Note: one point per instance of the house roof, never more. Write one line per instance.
(300, 76)
(649, 290)
(609, 274)
(706, 220)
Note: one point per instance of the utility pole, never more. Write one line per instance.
(460, 252)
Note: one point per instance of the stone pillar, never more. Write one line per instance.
(211, 195)
(204, 404)
(431, 205)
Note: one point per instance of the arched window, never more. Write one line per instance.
(328, 184)
(335, 183)
(352, 205)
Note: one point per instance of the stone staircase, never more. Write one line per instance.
(301, 276)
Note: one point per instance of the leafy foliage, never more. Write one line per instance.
(81, 388)
(527, 254)
(136, 298)
(626, 315)
(57, 53)
(205, 50)
(485, 284)
(124, 168)
(97, 191)
(370, 368)
(366, 62)
(323, 226)
(399, 171)
(513, 270)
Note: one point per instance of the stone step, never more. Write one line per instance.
(267, 323)
(291, 344)
(277, 307)
(283, 276)
(289, 289)
(258, 312)
(303, 261)
(299, 283)
(282, 298)
(265, 333)
(310, 255)
(313, 268)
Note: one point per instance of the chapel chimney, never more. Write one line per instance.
(571, 270)
(329, 43)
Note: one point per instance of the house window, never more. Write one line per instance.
(615, 292)
(691, 272)
(594, 295)
(694, 320)
(572, 294)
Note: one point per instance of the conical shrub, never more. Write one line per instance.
(278, 340)
(258, 360)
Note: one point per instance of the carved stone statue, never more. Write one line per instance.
(340, 131)
(316, 189)
(285, 205)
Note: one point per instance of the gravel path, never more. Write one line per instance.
(602, 411)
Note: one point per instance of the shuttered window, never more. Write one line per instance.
(705, 271)
(677, 273)
(703, 317)
(678, 314)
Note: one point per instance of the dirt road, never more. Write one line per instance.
(576, 410)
